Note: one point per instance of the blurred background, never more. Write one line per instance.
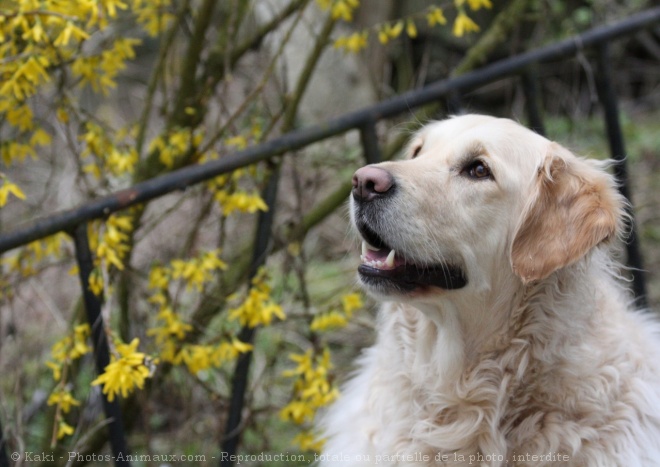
(98, 96)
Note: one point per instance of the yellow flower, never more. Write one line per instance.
(197, 357)
(70, 31)
(8, 188)
(124, 373)
(80, 346)
(464, 24)
(40, 138)
(258, 307)
(435, 16)
(96, 282)
(478, 4)
(351, 302)
(64, 399)
(227, 351)
(353, 43)
(63, 429)
(57, 370)
(238, 141)
(328, 321)
(389, 31)
(36, 33)
(20, 116)
(34, 70)
(344, 9)
(312, 388)
(240, 201)
(210, 261)
(172, 327)
(304, 364)
(308, 442)
(159, 278)
(411, 28)
(297, 411)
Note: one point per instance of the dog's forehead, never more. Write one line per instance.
(499, 136)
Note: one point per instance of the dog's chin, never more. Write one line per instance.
(387, 272)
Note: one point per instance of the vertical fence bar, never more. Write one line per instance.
(454, 103)
(608, 99)
(369, 140)
(4, 458)
(532, 108)
(241, 372)
(112, 409)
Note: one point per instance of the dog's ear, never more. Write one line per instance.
(575, 207)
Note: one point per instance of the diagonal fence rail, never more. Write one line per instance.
(74, 221)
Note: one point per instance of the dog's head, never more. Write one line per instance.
(478, 197)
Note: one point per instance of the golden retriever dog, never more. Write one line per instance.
(506, 337)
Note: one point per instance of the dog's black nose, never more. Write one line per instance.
(371, 182)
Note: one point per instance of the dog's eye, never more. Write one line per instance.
(416, 151)
(478, 170)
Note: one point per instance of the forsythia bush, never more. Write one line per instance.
(57, 56)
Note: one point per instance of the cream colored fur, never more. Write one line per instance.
(541, 354)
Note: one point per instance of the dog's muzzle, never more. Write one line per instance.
(382, 267)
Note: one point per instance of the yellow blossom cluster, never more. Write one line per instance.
(111, 248)
(337, 319)
(196, 272)
(340, 9)
(171, 331)
(352, 43)
(64, 352)
(258, 308)
(228, 189)
(174, 145)
(109, 157)
(128, 369)
(99, 71)
(43, 44)
(8, 188)
(170, 335)
(312, 390)
(231, 198)
(16, 151)
(389, 31)
(312, 387)
(199, 357)
(240, 201)
(69, 349)
(26, 262)
(155, 16)
(62, 399)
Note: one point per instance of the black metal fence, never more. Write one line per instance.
(74, 221)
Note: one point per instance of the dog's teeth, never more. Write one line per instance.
(364, 250)
(389, 262)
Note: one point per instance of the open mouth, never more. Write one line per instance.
(382, 267)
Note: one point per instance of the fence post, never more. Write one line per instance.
(531, 92)
(241, 371)
(608, 99)
(100, 342)
(369, 140)
(4, 458)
